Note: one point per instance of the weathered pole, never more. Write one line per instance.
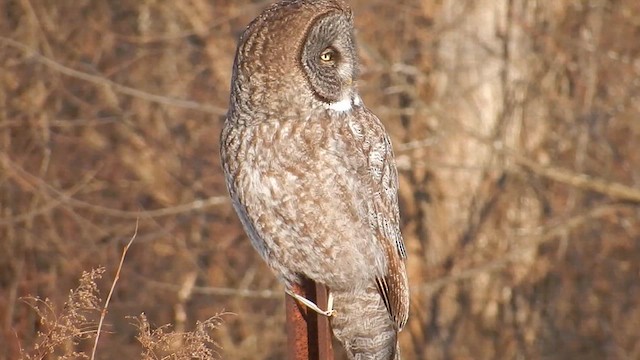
(308, 333)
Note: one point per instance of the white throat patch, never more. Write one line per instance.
(341, 106)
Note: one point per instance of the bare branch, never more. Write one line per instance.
(614, 190)
(221, 291)
(65, 197)
(102, 81)
(539, 236)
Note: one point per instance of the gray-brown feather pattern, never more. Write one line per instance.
(316, 189)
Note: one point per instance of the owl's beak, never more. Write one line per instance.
(348, 81)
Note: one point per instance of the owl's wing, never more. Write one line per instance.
(283, 174)
(379, 180)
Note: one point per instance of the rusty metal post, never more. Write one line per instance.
(308, 333)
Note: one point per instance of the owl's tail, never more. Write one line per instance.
(363, 326)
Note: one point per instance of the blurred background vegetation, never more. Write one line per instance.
(516, 126)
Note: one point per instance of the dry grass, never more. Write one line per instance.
(83, 317)
(78, 324)
(162, 343)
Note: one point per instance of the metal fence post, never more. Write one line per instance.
(308, 333)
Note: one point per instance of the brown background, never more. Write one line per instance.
(516, 126)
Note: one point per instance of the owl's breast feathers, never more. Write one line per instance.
(317, 194)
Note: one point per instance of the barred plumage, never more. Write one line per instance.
(311, 171)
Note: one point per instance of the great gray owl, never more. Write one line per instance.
(311, 171)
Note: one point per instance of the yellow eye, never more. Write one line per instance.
(327, 55)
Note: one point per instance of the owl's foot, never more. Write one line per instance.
(311, 305)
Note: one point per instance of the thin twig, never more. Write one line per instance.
(536, 238)
(582, 181)
(275, 294)
(103, 81)
(113, 286)
(66, 197)
(578, 180)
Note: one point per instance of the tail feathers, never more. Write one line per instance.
(363, 325)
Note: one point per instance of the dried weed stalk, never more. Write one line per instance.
(63, 331)
(76, 326)
(163, 343)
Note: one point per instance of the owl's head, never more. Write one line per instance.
(300, 52)
(328, 56)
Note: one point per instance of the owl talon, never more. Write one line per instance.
(311, 305)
